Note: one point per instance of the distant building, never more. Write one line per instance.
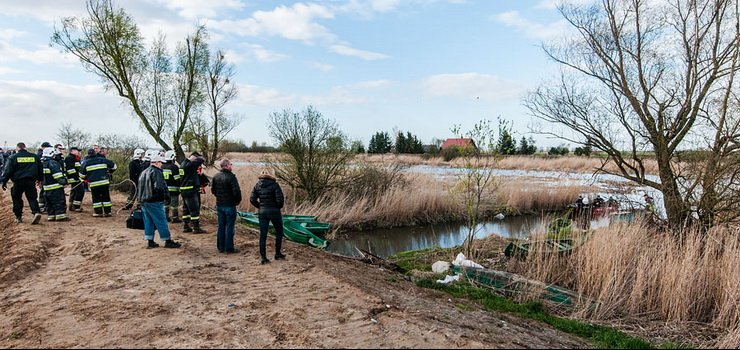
(461, 143)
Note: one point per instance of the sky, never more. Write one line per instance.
(420, 66)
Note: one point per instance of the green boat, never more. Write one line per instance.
(522, 248)
(293, 230)
(512, 285)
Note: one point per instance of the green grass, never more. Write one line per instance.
(602, 337)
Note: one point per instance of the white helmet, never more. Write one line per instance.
(169, 155)
(149, 154)
(138, 153)
(48, 152)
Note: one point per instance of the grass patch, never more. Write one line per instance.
(600, 336)
(16, 335)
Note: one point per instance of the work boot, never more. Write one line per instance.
(176, 216)
(279, 256)
(152, 244)
(172, 244)
(264, 261)
(36, 218)
(197, 229)
(18, 220)
(187, 228)
(71, 207)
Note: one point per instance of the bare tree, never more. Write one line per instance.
(213, 127)
(109, 44)
(476, 182)
(317, 156)
(651, 76)
(73, 137)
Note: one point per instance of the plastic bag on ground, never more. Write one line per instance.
(449, 279)
(440, 267)
(460, 260)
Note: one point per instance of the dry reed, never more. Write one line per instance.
(632, 273)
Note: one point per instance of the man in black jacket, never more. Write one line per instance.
(225, 187)
(151, 192)
(267, 196)
(25, 170)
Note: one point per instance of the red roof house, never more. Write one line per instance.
(461, 143)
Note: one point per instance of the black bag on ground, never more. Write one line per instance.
(135, 220)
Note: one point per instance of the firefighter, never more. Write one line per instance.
(25, 170)
(190, 191)
(95, 169)
(53, 185)
(42, 200)
(76, 191)
(172, 177)
(135, 167)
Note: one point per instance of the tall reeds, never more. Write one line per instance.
(685, 277)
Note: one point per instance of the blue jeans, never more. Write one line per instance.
(155, 219)
(225, 233)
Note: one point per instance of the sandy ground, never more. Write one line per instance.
(91, 283)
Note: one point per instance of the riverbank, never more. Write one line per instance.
(91, 283)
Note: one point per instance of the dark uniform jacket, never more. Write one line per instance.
(226, 189)
(171, 173)
(72, 168)
(135, 167)
(269, 193)
(151, 186)
(53, 175)
(21, 166)
(190, 182)
(95, 170)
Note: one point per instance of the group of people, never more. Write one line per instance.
(160, 182)
(51, 171)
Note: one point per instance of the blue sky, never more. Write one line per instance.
(372, 65)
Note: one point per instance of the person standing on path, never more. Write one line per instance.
(190, 190)
(152, 192)
(267, 196)
(225, 187)
(25, 170)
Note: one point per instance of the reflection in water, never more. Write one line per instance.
(387, 242)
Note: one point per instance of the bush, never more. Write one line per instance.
(451, 153)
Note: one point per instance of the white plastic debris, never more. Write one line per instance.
(440, 267)
(460, 260)
(499, 216)
(449, 279)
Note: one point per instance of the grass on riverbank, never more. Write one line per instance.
(684, 287)
(602, 337)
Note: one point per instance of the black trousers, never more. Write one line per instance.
(55, 204)
(266, 216)
(27, 188)
(76, 194)
(101, 199)
(191, 207)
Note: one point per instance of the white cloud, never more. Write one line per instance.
(253, 95)
(49, 11)
(197, 9)
(264, 55)
(34, 110)
(8, 70)
(345, 50)
(40, 55)
(532, 29)
(7, 34)
(298, 22)
(472, 86)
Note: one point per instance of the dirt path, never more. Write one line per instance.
(91, 283)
